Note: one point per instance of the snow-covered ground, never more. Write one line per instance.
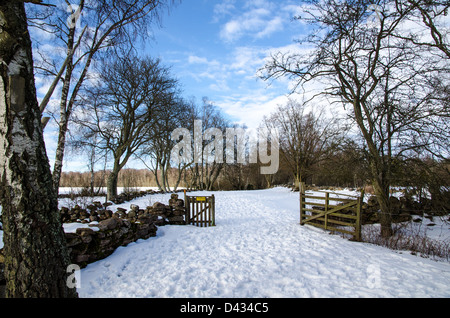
(258, 249)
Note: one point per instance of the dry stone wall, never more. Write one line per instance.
(109, 230)
(88, 245)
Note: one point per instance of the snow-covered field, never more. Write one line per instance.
(258, 249)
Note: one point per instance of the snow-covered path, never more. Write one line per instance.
(258, 249)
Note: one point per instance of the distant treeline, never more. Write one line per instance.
(343, 169)
(127, 178)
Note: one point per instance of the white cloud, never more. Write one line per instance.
(271, 27)
(247, 58)
(223, 9)
(259, 19)
(232, 31)
(251, 108)
(254, 19)
(192, 59)
(219, 86)
(294, 10)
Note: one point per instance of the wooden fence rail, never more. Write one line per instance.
(332, 213)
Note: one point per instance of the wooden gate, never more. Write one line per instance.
(200, 211)
(332, 213)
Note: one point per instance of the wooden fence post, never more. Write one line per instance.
(302, 200)
(213, 209)
(327, 199)
(186, 208)
(358, 237)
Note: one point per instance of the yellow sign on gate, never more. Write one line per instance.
(201, 199)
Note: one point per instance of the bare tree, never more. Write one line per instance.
(88, 29)
(383, 80)
(206, 168)
(36, 256)
(305, 137)
(174, 113)
(121, 108)
(237, 171)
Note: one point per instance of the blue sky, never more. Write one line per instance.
(214, 48)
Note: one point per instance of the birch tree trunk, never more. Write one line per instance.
(65, 107)
(36, 257)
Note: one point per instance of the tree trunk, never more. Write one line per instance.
(113, 178)
(215, 176)
(162, 164)
(379, 179)
(157, 180)
(112, 184)
(64, 114)
(268, 180)
(382, 195)
(179, 173)
(57, 169)
(36, 256)
(297, 181)
(92, 182)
